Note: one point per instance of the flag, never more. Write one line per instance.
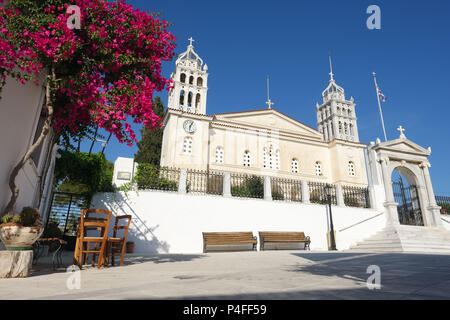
(381, 95)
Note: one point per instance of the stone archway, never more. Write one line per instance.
(411, 161)
(406, 195)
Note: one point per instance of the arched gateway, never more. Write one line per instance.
(401, 183)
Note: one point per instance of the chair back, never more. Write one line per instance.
(122, 223)
(94, 219)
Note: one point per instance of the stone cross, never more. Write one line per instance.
(402, 135)
(270, 103)
(191, 40)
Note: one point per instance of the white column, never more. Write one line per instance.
(267, 189)
(339, 196)
(433, 208)
(390, 204)
(182, 181)
(305, 192)
(227, 184)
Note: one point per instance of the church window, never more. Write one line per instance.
(351, 129)
(277, 160)
(191, 80)
(345, 128)
(219, 155)
(187, 145)
(247, 158)
(338, 110)
(182, 97)
(183, 78)
(189, 103)
(294, 165)
(349, 113)
(318, 167)
(200, 81)
(197, 100)
(340, 127)
(265, 157)
(351, 169)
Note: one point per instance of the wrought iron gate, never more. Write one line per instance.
(408, 208)
(65, 211)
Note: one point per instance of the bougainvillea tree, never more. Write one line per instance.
(102, 74)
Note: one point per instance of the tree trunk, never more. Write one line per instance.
(45, 130)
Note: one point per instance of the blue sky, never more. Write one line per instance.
(244, 41)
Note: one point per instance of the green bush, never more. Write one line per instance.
(253, 187)
(26, 218)
(148, 177)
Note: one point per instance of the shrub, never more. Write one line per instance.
(253, 187)
(148, 177)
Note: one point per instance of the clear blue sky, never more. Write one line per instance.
(243, 41)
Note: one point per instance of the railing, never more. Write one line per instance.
(286, 189)
(356, 197)
(444, 203)
(157, 178)
(317, 193)
(247, 186)
(204, 182)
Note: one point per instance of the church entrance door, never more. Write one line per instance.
(407, 197)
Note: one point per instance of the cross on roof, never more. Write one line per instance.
(402, 130)
(191, 40)
(270, 103)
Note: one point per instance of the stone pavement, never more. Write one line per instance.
(244, 275)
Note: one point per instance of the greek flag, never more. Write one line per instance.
(381, 95)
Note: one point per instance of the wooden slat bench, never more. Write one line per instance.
(283, 237)
(228, 238)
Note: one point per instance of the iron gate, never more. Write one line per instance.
(409, 212)
(65, 211)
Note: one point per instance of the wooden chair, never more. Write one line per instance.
(116, 245)
(84, 241)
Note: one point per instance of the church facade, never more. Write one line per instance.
(261, 142)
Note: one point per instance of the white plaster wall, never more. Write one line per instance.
(19, 109)
(166, 222)
(446, 221)
(123, 165)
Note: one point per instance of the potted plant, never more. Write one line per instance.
(20, 231)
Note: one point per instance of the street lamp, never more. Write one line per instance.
(328, 190)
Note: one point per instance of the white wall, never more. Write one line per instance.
(166, 222)
(125, 165)
(19, 110)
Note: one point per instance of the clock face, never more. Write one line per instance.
(189, 126)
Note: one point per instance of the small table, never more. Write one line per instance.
(38, 250)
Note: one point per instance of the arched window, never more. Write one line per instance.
(340, 127)
(332, 129)
(247, 158)
(191, 80)
(189, 102)
(219, 155)
(349, 113)
(265, 157)
(351, 169)
(294, 165)
(183, 77)
(181, 97)
(351, 129)
(318, 168)
(338, 110)
(345, 128)
(197, 100)
(277, 160)
(200, 81)
(187, 145)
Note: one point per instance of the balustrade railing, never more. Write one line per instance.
(286, 189)
(247, 186)
(204, 182)
(317, 193)
(356, 197)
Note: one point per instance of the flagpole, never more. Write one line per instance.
(379, 106)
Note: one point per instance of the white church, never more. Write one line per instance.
(266, 143)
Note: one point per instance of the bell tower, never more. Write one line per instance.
(336, 117)
(190, 81)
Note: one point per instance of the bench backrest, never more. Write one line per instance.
(280, 236)
(227, 237)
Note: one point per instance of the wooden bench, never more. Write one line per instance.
(228, 238)
(283, 237)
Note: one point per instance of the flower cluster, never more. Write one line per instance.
(107, 71)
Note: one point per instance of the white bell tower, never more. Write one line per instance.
(190, 81)
(336, 117)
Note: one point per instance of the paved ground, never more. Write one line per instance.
(245, 275)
